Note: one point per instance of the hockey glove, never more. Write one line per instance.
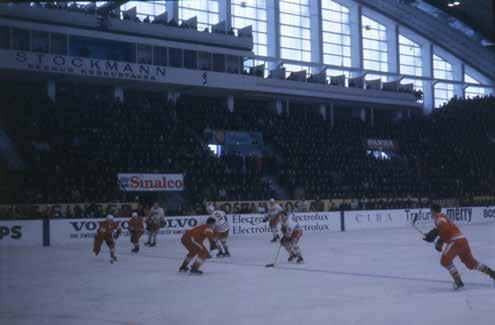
(285, 241)
(213, 245)
(439, 245)
(117, 233)
(431, 236)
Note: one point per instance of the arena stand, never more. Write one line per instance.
(75, 148)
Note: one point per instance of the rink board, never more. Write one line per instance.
(398, 218)
(64, 231)
(21, 232)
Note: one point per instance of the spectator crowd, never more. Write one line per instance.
(73, 150)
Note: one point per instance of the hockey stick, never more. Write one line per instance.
(275, 259)
(413, 224)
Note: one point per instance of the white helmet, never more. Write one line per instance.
(109, 217)
(271, 202)
(210, 208)
(134, 215)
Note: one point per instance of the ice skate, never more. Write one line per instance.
(300, 260)
(492, 275)
(195, 270)
(458, 284)
(113, 259)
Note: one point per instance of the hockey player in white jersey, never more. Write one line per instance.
(155, 218)
(221, 230)
(273, 217)
(291, 233)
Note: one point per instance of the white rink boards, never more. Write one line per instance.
(66, 231)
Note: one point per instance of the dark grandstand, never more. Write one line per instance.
(95, 107)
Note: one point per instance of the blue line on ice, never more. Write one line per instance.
(299, 268)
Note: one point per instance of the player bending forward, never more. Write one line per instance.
(157, 214)
(457, 245)
(273, 216)
(221, 231)
(107, 231)
(291, 233)
(136, 228)
(193, 242)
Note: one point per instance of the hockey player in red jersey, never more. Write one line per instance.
(107, 231)
(291, 233)
(136, 228)
(193, 241)
(456, 244)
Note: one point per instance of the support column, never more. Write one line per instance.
(230, 103)
(323, 111)
(172, 8)
(51, 90)
(356, 35)
(362, 114)
(458, 74)
(316, 35)
(118, 93)
(331, 115)
(278, 106)
(393, 50)
(273, 31)
(372, 116)
(225, 10)
(428, 94)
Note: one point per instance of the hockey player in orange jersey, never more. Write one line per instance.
(136, 228)
(193, 242)
(107, 231)
(456, 244)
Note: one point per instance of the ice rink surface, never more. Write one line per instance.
(363, 277)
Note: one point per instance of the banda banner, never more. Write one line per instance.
(252, 224)
(379, 219)
(64, 231)
(150, 182)
(80, 66)
(382, 144)
(21, 232)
